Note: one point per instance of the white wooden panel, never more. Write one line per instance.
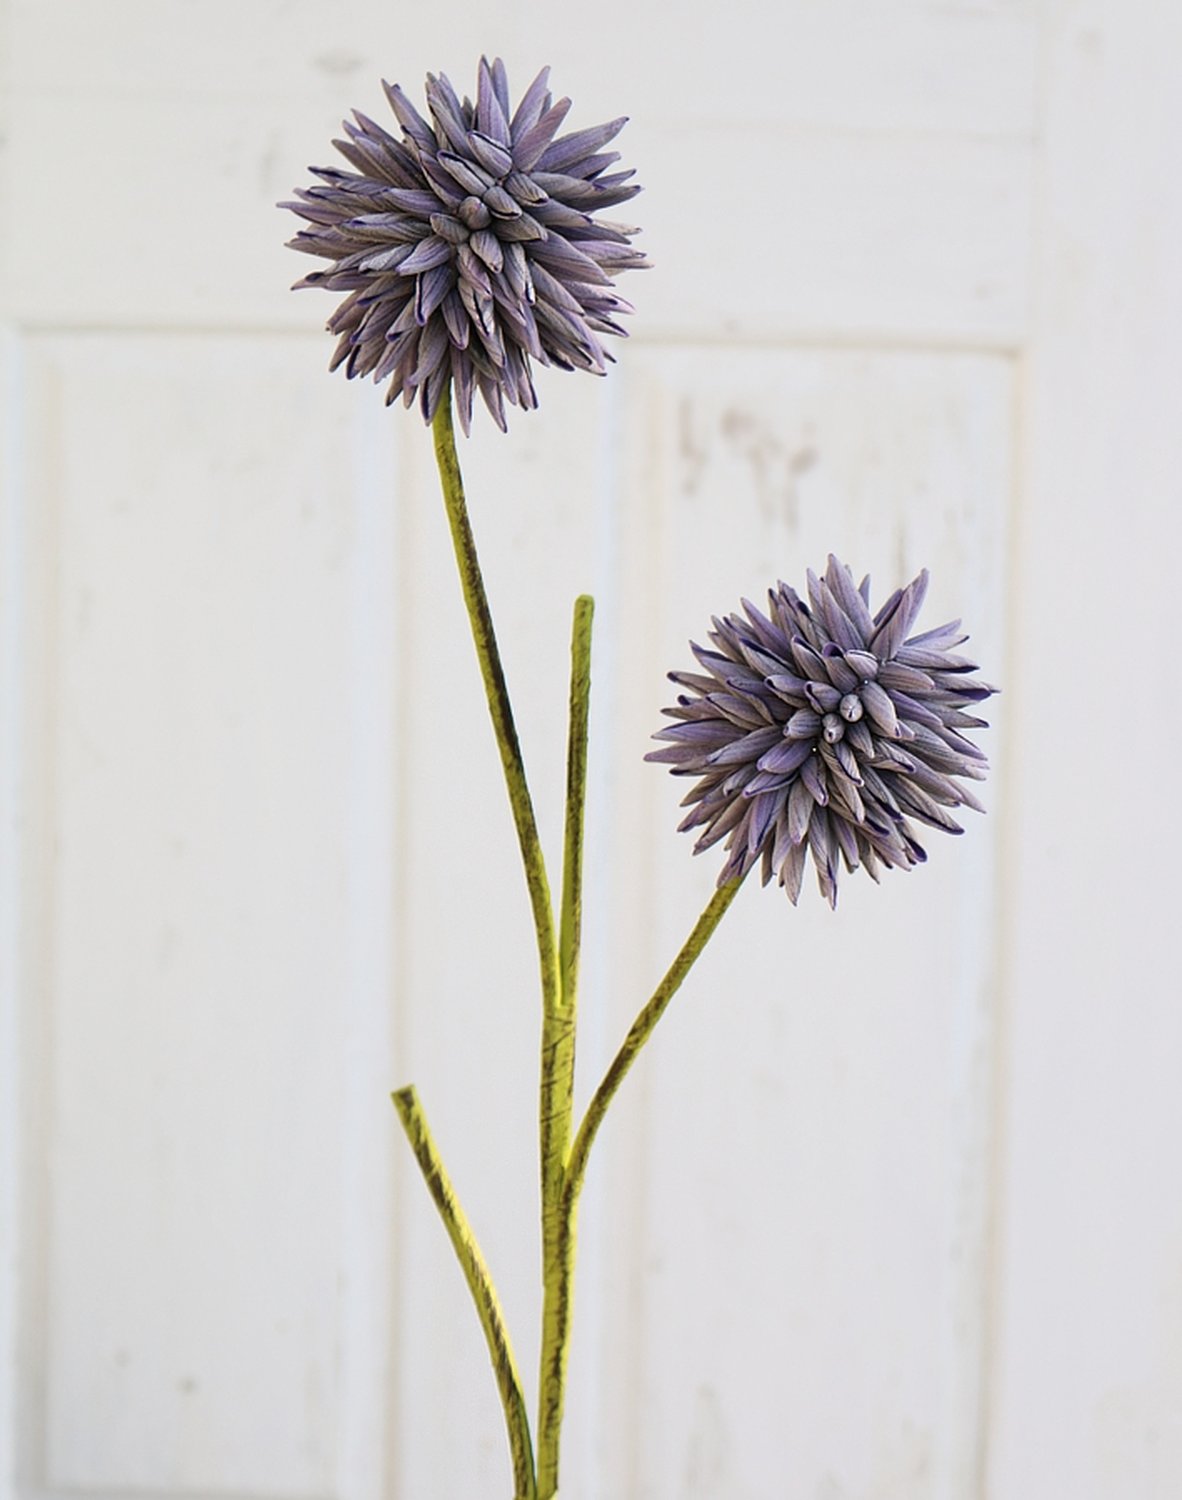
(158, 48)
(898, 209)
(153, 254)
(9, 668)
(905, 64)
(11, 663)
(309, 725)
(1088, 1388)
(6, 92)
(10, 671)
(212, 1114)
(830, 237)
(831, 1330)
(915, 241)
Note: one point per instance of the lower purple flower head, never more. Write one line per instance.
(819, 727)
(467, 245)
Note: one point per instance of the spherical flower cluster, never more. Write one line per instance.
(468, 246)
(820, 727)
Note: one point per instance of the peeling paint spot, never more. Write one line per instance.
(707, 1459)
(337, 62)
(167, 945)
(690, 447)
(775, 465)
(267, 163)
(83, 610)
(1090, 42)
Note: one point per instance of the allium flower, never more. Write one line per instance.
(821, 727)
(468, 246)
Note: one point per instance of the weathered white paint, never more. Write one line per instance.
(1087, 1369)
(201, 992)
(888, 195)
(807, 1039)
(914, 302)
(11, 907)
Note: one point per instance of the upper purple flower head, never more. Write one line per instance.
(822, 728)
(468, 245)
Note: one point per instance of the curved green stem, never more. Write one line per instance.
(476, 1274)
(639, 1033)
(537, 882)
(563, 1166)
(558, 1068)
(495, 690)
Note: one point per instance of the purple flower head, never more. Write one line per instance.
(824, 728)
(467, 245)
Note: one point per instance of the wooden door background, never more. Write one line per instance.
(916, 300)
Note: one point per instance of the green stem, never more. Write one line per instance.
(495, 690)
(512, 764)
(639, 1033)
(563, 1167)
(480, 1284)
(571, 920)
(559, 1272)
(558, 1070)
(557, 1304)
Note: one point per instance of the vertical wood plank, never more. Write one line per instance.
(12, 846)
(1088, 1341)
(210, 669)
(829, 1327)
(11, 664)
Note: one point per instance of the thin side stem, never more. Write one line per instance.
(480, 1284)
(499, 707)
(558, 1070)
(571, 918)
(641, 1030)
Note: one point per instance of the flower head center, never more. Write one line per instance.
(850, 708)
(474, 213)
(847, 709)
(832, 729)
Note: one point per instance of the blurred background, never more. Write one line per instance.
(892, 1207)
